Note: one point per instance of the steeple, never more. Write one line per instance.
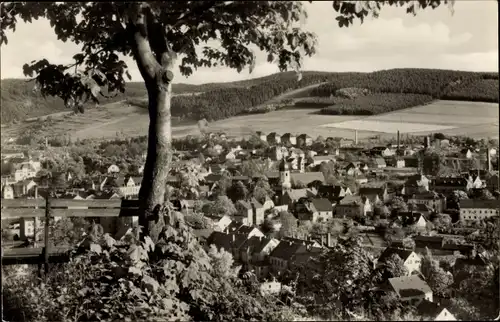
(285, 179)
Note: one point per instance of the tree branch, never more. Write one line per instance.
(142, 50)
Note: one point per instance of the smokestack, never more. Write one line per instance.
(488, 160)
(356, 137)
(234, 238)
(427, 142)
(398, 141)
(328, 240)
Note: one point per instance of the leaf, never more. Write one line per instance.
(135, 270)
(96, 248)
(149, 245)
(110, 241)
(151, 284)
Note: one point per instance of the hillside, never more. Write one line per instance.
(216, 101)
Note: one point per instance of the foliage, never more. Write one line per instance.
(438, 280)
(289, 224)
(196, 220)
(392, 266)
(237, 191)
(173, 279)
(443, 84)
(220, 207)
(375, 104)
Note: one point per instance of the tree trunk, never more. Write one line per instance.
(159, 157)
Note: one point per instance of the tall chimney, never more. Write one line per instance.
(488, 160)
(398, 141)
(356, 137)
(234, 238)
(328, 240)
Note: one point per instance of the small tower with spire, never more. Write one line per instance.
(285, 179)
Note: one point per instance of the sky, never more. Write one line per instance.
(466, 40)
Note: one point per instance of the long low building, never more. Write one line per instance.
(472, 210)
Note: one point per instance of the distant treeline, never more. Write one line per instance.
(440, 84)
(375, 103)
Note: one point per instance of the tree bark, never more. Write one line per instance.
(159, 157)
(156, 68)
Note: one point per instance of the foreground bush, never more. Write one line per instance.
(173, 279)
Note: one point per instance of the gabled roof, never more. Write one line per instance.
(450, 181)
(255, 244)
(413, 180)
(296, 194)
(409, 286)
(351, 200)
(233, 226)
(220, 240)
(322, 204)
(285, 250)
(410, 218)
(389, 251)
(379, 161)
(478, 203)
(307, 177)
(429, 310)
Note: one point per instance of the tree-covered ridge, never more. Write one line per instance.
(441, 84)
(222, 100)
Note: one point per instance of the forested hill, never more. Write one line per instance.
(222, 100)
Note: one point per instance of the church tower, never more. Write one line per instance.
(285, 179)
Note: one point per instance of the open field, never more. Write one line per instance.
(449, 117)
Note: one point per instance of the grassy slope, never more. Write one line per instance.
(18, 101)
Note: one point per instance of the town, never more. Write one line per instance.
(276, 201)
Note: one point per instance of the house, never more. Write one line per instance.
(268, 204)
(411, 289)
(250, 212)
(308, 141)
(414, 219)
(447, 185)
(270, 288)
(277, 153)
(254, 254)
(361, 179)
(378, 163)
(231, 155)
(375, 194)
(466, 153)
(346, 142)
(113, 169)
(229, 242)
(411, 260)
(273, 138)
(382, 151)
(432, 200)
(352, 169)
(23, 187)
(333, 193)
(281, 255)
(288, 138)
(220, 223)
(318, 159)
(297, 164)
(7, 192)
(353, 206)
(296, 153)
(400, 163)
(431, 242)
(472, 210)
(314, 210)
(492, 183)
(261, 135)
(431, 311)
(474, 181)
(129, 185)
(10, 154)
(291, 196)
(24, 171)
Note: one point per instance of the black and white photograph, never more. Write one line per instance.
(250, 161)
